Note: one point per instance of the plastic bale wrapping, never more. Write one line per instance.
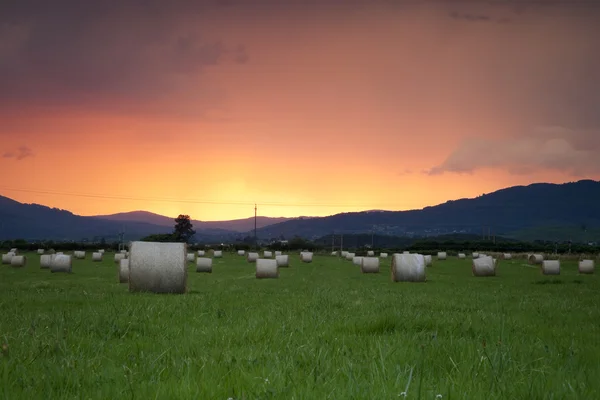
(535, 259)
(306, 256)
(334, 253)
(266, 268)
(344, 253)
(383, 255)
(428, 260)
(370, 253)
(158, 267)
(97, 256)
(369, 265)
(484, 266)
(40, 251)
(217, 254)
(119, 257)
(349, 256)
(507, 256)
(46, 260)
(201, 253)
(462, 256)
(586, 267)
(6, 258)
(204, 264)
(408, 268)
(241, 252)
(278, 253)
(357, 260)
(191, 257)
(442, 255)
(283, 261)
(124, 270)
(551, 267)
(267, 254)
(475, 255)
(18, 261)
(61, 263)
(252, 257)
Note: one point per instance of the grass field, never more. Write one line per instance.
(320, 331)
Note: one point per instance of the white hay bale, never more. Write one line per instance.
(252, 257)
(241, 252)
(475, 255)
(201, 253)
(408, 268)
(507, 256)
(158, 267)
(350, 256)
(119, 257)
(383, 255)
(191, 257)
(406, 252)
(267, 254)
(462, 256)
(369, 265)
(80, 255)
(14, 250)
(124, 270)
(18, 261)
(306, 256)
(40, 251)
(442, 255)
(60, 253)
(278, 253)
(484, 266)
(551, 267)
(266, 268)
(61, 263)
(46, 260)
(357, 260)
(101, 251)
(204, 264)
(344, 253)
(586, 266)
(334, 253)
(123, 251)
(6, 258)
(428, 260)
(482, 255)
(370, 253)
(217, 253)
(535, 259)
(96, 256)
(283, 261)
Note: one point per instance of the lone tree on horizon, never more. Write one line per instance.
(183, 228)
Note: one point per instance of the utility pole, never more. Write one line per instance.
(255, 239)
(332, 242)
(341, 242)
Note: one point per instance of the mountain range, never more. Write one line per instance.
(543, 211)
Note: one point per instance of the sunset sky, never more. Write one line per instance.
(304, 107)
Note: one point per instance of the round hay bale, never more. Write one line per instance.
(204, 264)
(475, 255)
(96, 256)
(40, 251)
(551, 267)
(217, 253)
(586, 266)
(123, 251)
(241, 252)
(101, 251)
(14, 250)
(278, 253)
(191, 257)
(535, 259)
(60, 253)
(383, 255)
(334, 253)
(306, 256)
(370, 253)
(6, 258)
(484, 266)
(357, 260)
(408, 268)
(344, 253)
(369, 265)
(119, 257)
(507, 256)
(18, 261)
(267, 254)
(428, 260)
(462, 256)
(252, 257)
(79, 254)
(283, 261)
(266, 268)
(46, 260)
(406, 252)
(201, 253)
(350, 256)
(442, 255)
(61, 263)
(124, 270)
(158, 267)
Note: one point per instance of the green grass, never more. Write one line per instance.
(320, 331)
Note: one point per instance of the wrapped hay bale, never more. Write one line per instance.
(370, 253)
(123, 251)
(484, 266)
(283, 261)
(306, 256)
(551, 267)
(124, 270)
(6, 258)
(334, 253)
(408, 268)
(344, 253)
(61, 263)
(535, 259)
(350, 256)
(119, 257)
(217, 253)
(14, 250)
(406, 252)
(40, 251)
(204, 264)
(201, 253)
(191, 257)
(241, 252)
(462, 256)
(586, 266)
(18, 261)
(383, 255)
(252, 257)
(60, 253)
(428, 260)
(475, 255)
(80, 255)
(369, 265)
(46, 260)
(267, 254)
(278, 253)
(158, 267)
(357, 261)
(266, 268)
(507, 256)
(96, 256)
(442, 255)
(101, 251)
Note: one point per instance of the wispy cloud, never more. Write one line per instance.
(20, 153)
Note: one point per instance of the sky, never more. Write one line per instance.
(303, 107)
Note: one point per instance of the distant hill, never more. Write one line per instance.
(236, 225)
(548, 211)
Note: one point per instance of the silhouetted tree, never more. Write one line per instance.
(183, 228)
